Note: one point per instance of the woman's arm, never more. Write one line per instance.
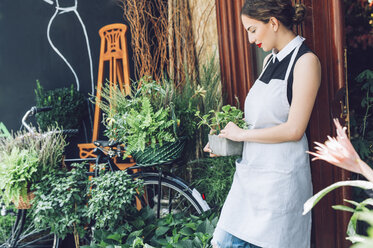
(307, 77)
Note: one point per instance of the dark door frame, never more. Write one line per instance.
(323, 30)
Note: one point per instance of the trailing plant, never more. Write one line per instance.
(217, 120)
(112, 199)
(61, 201)
(25, 158)
(213, 177)
(68, 107)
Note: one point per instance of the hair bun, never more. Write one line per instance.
(299, 14)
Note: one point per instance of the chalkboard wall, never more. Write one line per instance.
(27, 55)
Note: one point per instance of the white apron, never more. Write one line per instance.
(272, 181)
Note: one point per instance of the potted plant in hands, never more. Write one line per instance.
(24, 159)
(216, 121)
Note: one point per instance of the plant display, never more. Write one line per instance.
(137, 122)
(217, 120)
(68, 107)
(144, 230)
(112, 199)
(24, 159)
(148, 117)
(61, 201)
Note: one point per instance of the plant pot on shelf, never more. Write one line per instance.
(223, 146)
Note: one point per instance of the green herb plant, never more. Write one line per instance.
(68, 107)
(112, 199)
(60, 201)
(217, 120)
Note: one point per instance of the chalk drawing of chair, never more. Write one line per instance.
(113, 52)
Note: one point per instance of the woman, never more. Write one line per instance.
(273, 179)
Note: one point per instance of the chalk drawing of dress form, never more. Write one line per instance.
(67, 13)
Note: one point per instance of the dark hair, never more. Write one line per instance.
(283, 10)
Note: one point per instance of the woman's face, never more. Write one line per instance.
(260, 33)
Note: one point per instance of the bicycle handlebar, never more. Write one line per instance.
(41, 109)
(32, 112)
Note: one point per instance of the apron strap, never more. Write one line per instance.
(292, 61)
(268, 62)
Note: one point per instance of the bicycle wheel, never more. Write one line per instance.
(170, 195)
(18, 230)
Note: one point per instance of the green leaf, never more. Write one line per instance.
(186, 231)
(115, 236)
(160, 231)
(310, 203)
(343, 208)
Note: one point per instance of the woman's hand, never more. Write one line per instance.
(208, 149)
(232, 132)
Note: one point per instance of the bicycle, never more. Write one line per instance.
(22, 231)
(164, 192)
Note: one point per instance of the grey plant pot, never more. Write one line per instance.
(224, 147)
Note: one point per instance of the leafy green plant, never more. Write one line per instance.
(217, 120)
(139, 224)
(60, 201)
(25, 158)
(148, 127)
(144, 230)
(360, 212)
(139, 120)
(213, 177)
(68, 107)
(112, 199)
(6, 224)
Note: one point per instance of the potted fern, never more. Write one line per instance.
(216, 121)
(145, 122)
(24, 159)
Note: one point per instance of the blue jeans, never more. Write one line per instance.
(223, 239)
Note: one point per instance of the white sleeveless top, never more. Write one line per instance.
(272, 181)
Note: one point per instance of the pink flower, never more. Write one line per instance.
(338, 151)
